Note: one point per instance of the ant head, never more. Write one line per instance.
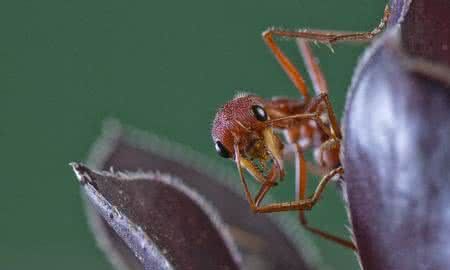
(237, 122)
(241, 130)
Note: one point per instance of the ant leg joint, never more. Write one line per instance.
(270, 183)
(310, 204)
(253, 207)
(267, 33)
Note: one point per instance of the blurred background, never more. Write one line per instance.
(161, 66)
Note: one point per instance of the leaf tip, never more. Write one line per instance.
(81, 172)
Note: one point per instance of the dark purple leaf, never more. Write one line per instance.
(397, 150)
(119, 254)
(426, 30)
(255, 235)
(165, 224)
(398, 9)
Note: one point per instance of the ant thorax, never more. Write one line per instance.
(305, 132)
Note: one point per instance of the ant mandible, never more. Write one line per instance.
(243, 129)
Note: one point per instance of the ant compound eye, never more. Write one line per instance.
(221, 150)
(259, 113)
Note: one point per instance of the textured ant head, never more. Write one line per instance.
(241, 121)
(242, 125)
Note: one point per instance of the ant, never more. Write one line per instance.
(244, 128)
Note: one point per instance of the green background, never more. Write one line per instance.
(161, 66)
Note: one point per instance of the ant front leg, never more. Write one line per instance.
(275, 207)
(292, 72)
(300, 204)
(330, 37)
(265, 187)
(326, 37)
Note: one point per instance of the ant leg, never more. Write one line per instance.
(266, 186)
(311, 116)
(320, 85)
(286, 64)
(255, 173)
(277, 207)
(329, 38)
(237, 160)
(313, 68)
(306, 204)
(262, 192)
(331, 115)
(332, 148)
(301, 181)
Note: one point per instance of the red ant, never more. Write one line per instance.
(243, 129)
